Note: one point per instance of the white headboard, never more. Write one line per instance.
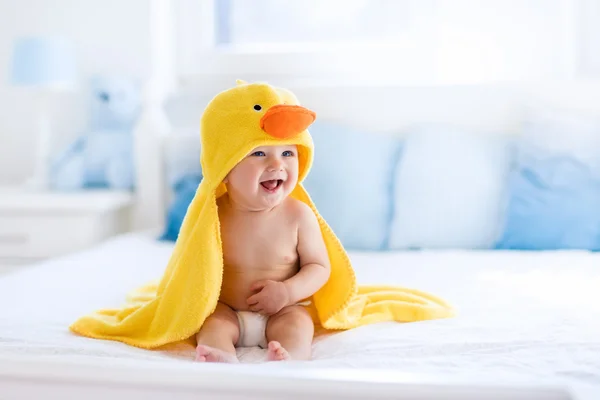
(494, 108)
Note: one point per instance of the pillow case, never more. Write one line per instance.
(183, 174)
(351, 182)
(554, 188)
(181, 154)
(183, 194)
(449, 189)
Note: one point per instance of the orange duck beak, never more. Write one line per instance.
(284, 121)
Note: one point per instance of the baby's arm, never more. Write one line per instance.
(314, 260)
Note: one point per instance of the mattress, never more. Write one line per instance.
(521, 316)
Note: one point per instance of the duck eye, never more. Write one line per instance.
(257, 107)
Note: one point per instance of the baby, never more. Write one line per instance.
(274, 260)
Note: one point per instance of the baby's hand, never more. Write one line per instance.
(271, 298)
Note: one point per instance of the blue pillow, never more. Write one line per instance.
(449, 189)
(351, 183)
(554, 204)
(184, 190)
(554, 193)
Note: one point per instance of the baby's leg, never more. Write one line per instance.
(290, 334)
(218, 336)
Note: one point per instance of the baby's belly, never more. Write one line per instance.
(237, 282)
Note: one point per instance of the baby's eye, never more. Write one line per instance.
(259, 154)
(288, 153)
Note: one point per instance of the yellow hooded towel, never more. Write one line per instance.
(235, 122)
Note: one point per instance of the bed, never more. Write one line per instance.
(528, 324)
(527, 321)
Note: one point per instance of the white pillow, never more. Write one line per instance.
(449, 190)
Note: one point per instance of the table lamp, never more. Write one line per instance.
(47, 65)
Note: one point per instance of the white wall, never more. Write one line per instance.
(111, 36)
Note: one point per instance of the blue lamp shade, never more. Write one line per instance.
(43, 61)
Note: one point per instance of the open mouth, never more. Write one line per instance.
(272, 185)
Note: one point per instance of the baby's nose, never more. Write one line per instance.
(275, 165)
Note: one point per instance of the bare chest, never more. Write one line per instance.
(258, 243)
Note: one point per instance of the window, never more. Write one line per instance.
(311, 22)
(415, 41)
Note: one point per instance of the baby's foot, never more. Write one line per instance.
(210, 354)
(277, 353)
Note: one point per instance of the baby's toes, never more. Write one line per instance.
(276, 352)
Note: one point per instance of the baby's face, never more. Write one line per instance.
(265, 177)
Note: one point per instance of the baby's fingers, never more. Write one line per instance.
(258, 285)
(253, 299)
(256, 308)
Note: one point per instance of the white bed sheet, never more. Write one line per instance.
(531, 317)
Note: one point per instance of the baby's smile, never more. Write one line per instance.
(272, 185)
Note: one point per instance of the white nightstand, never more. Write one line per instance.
(35, 226)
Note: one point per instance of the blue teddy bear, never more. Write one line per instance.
(103, 156)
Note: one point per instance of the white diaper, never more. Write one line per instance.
(253, 329)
